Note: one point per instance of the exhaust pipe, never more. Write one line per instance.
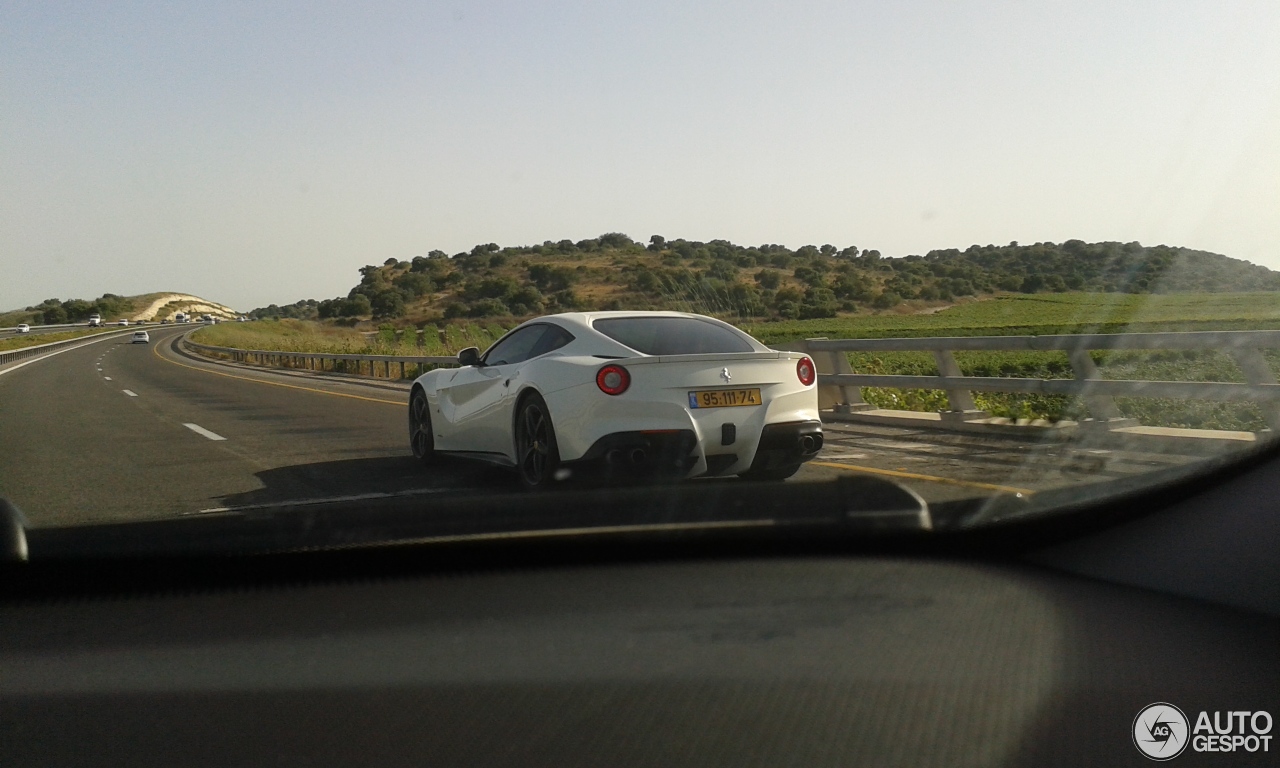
(637, 456)
(808, 444)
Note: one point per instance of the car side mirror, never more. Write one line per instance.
(469, 356)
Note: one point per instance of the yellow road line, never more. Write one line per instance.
(927, 478)
(156, 351)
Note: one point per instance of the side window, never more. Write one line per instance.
(555, 338)
(515, 348)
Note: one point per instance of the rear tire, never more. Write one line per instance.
(537, 456)
(776, 474)
(422, 440)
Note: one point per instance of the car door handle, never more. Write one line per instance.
(505, 383)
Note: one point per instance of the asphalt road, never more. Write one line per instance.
(113, 431)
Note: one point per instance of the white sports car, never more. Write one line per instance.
(647, 393)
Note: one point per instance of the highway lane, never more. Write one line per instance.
(100, 434)
(117, 431)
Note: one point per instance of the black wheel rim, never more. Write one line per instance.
(419, 427)
(535, 444)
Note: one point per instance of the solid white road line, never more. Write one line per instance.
(129, 393)
(199, 430)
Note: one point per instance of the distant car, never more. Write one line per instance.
(22, 328)
(242, 319)
(164, 321)
(140, 337)
(123, 323)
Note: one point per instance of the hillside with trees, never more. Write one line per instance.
(764, 282)
(110, 306)
(58, 311)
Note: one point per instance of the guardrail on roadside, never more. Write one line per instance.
(10, 355)
(53, 325)
(840, 387)
(332, 363)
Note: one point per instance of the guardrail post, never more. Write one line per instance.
(1101, 407)
(959, 401)
(850, 397)
(1256, 371)
(838, 398)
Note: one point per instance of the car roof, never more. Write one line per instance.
(585, 319)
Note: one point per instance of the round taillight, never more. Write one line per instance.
(805, 372)
(613, 379)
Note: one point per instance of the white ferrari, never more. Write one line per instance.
(663, 394)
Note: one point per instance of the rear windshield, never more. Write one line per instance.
(672, 335)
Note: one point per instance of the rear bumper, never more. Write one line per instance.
(788, 444)
(674, 453)
(668, 452)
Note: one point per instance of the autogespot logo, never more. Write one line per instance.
(1160, 731)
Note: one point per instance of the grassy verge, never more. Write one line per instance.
(18, 342)
(307, 336)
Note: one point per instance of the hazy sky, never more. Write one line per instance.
(261, 152)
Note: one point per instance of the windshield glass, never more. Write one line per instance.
(1008, 260)
(671, 335)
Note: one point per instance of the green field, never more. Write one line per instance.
(1039, 314)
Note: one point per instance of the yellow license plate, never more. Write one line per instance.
(722, 398)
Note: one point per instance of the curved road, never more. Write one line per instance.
(112, 431)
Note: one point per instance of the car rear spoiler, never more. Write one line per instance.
(711, 358)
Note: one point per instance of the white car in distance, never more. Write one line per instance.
(22, 328)
(140, 337)
(659, 394)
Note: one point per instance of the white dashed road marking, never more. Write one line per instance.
(107, 378)
(199, 430)
(130, 393)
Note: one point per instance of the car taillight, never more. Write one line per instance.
(613, 379)
(805, 372)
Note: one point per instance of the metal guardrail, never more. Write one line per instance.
(839, 385)
(12, 355)
(333, 363)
